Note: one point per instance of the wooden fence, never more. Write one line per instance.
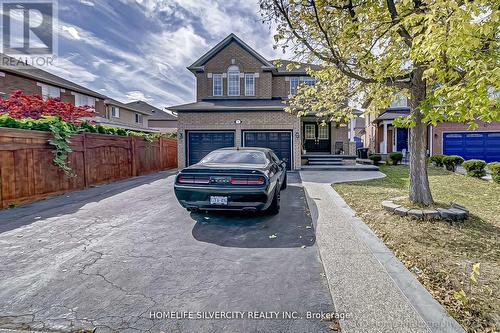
(28, 174)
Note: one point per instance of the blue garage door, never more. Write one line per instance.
(473, 145)
(202, 143)
(279, 142)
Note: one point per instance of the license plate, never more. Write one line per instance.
(216, 200)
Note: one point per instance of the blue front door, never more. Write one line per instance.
(402, 139)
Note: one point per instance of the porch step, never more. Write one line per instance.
(328, 162)
(356, 167)
(328, 156)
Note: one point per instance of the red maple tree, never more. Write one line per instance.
(19, 106)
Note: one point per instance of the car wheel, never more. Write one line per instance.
(283, 186)
(274, 208)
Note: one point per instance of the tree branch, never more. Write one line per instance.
(395, 19)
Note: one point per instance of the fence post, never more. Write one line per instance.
(85, 162)
(133, 155)
(162, 154)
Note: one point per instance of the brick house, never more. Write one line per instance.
(33, 80)
(240, 101)
(449, 138)
(123, 115)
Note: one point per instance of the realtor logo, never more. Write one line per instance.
(28, 27)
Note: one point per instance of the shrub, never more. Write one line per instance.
(475, 168)
(376, 158)
(495, 171)
(437, 160)
(451, 162)
(395, 157)
(20, 106)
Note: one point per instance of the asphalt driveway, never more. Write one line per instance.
(113, 258)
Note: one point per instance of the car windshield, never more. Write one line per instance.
(235, 157)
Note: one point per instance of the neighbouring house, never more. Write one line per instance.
(449, 138)
(240, 101)
(126, 116)
(32, 80)
(159, 120)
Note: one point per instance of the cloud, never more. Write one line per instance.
(87, 3)
(67, 69)
(72, 31)
(139, 49)
(135, 95)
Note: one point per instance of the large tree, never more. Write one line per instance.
(441, 54)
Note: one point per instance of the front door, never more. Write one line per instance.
(316, 137)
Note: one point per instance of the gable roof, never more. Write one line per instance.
(42, 76)
(198, 64)
(156, 113)
(299, 68)
(393, 113)
(110, 101)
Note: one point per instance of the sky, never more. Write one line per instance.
(139, 49)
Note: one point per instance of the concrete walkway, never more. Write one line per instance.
(370, 287)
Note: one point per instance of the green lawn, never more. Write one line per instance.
(443, 251)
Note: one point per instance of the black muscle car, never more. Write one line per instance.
(246, 179)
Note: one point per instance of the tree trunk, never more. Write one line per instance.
(420, 191)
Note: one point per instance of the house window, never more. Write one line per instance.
(50, 91)
(233, 81)
(401, 101)
(323, 132)
(294, 84)
(310, 131)
(310, 81)
(249, 84)
(138, 118)
(84, 100)
(115, 112)
(217, 84)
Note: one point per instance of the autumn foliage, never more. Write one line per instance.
(21, 106)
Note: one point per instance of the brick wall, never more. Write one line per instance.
(281, 87)
(226, 121)
(340, 134)
(439, 129)
(11, 82)
(246, 63)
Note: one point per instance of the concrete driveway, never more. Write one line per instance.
(110, 258)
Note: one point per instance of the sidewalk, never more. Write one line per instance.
(369, 285)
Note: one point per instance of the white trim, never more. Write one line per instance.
(298, 84)
(232, 69)
(273, 131)
(221, 84)
(384, 137)
(252, 75)
(111, 111)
